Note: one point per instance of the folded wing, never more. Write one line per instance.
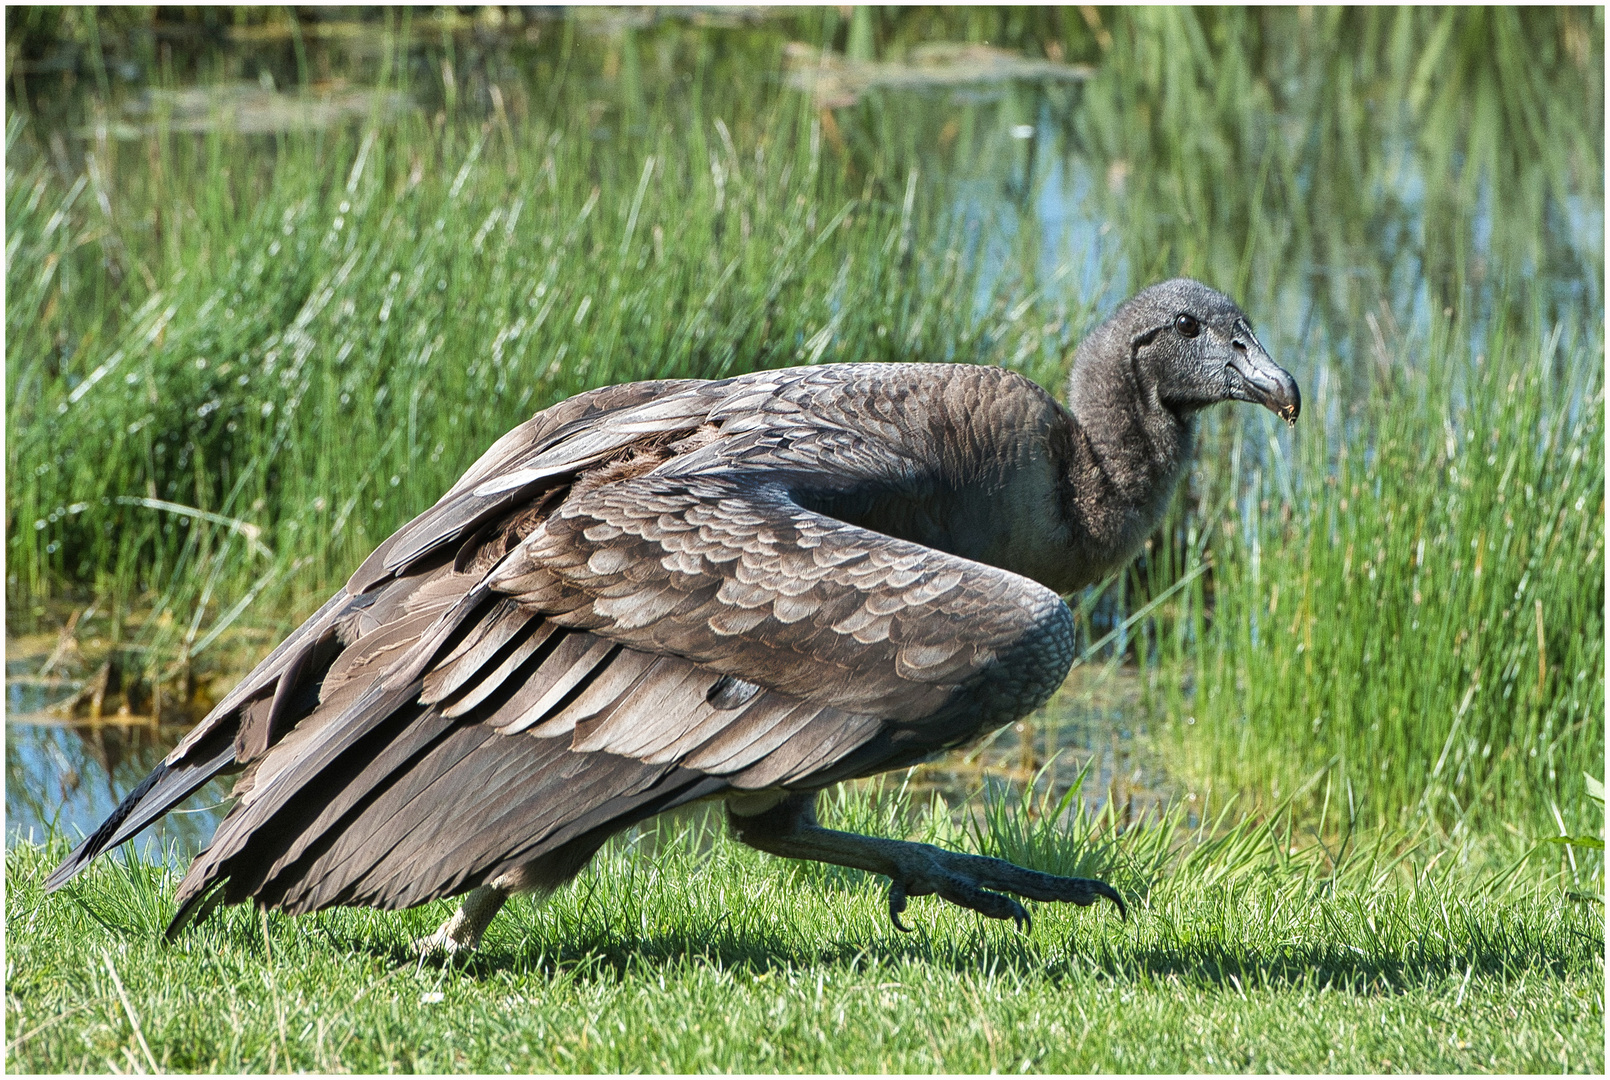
(623, 607)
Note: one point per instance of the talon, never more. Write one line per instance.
(897, 904)
(1112, 894)
(1020, 916)
(437, 945)
(1088, 890)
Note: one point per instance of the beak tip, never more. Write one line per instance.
(1279, 394)
(1263, 381)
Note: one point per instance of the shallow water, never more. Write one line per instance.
(68, 777)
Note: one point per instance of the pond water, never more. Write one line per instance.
(1049, 163)
(68, 776)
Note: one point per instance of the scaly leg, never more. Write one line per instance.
(789, 828)
(541, 876)
(463, 931)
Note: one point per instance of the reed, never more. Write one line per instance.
(236, 362)
(1418, 606)
(334, 342)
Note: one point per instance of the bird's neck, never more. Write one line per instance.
(1126, 454)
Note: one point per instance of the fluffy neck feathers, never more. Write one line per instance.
(1126, 455)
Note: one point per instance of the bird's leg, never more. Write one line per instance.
(463, 931)
(789, 828)
(538, 878)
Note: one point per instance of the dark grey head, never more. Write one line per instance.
(1188, 346)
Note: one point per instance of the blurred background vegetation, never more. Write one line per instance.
(276, 276)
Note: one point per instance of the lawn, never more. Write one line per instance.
(682, 951)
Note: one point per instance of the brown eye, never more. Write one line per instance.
(1187, 325)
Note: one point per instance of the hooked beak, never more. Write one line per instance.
(1256, 378)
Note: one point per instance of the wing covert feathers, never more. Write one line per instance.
(744, 580)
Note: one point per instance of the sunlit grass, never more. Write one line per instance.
(1416, 602)
(682, 951)
(344, 350)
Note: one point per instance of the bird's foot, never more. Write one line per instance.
(443, 943)
(966, 881)
(789, 828)
(462, 932)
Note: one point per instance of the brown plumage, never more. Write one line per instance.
(668, 591)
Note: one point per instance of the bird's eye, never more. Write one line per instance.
(1187, 325)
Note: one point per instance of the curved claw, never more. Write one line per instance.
(897, 904)
(1112, 894)
(1086, 891)
(438, 946)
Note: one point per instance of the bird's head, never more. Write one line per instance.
(1188, 346)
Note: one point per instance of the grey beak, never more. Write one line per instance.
(1258, 379)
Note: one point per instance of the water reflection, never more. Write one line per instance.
(68, 777)
(1095, 726)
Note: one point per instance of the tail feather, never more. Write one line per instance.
(194, 910)
(166, 787)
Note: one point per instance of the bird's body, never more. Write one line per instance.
(660, 592)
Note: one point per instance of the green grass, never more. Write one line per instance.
(328, 356)
(1425, 612)
(682, 951)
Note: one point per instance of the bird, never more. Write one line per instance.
(745, 589)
